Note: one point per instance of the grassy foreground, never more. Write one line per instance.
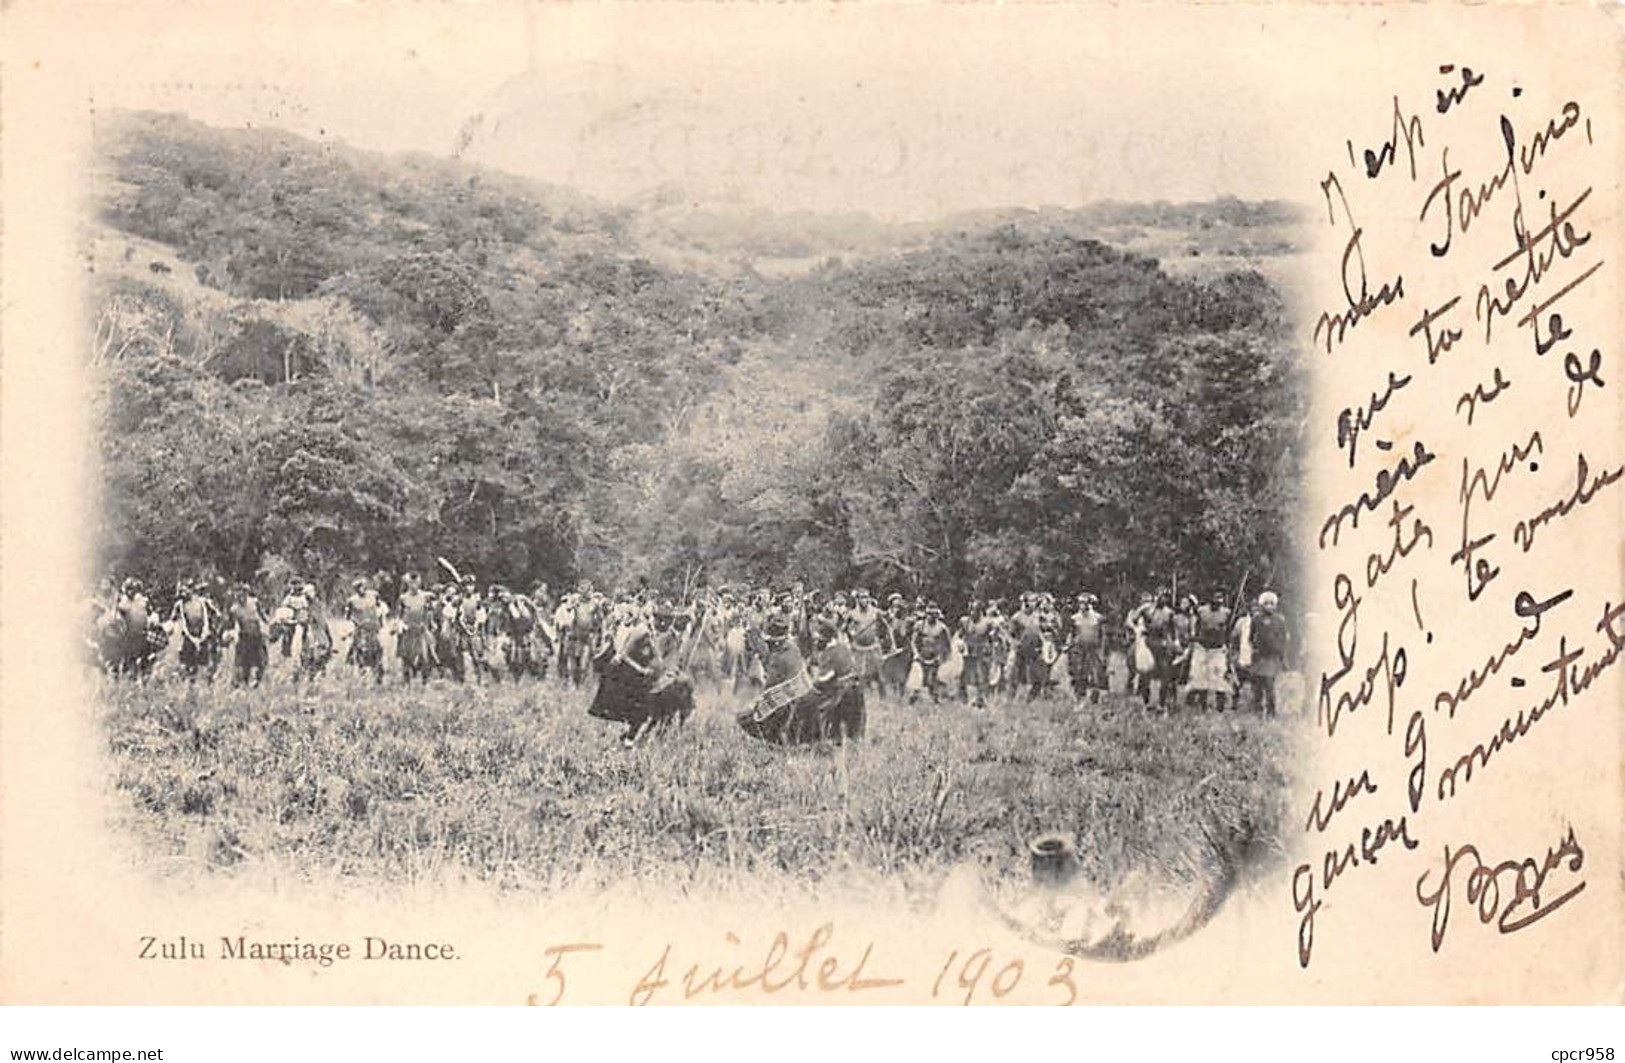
(518, 787)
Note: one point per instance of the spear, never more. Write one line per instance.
(684, 654)
(1236, 603)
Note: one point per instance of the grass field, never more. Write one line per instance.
(515, 786)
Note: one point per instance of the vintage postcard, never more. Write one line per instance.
(529, 503)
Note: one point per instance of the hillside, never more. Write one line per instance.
(319, 359)
(1198, 240)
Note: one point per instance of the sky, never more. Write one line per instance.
(903, 112)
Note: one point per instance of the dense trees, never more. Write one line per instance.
(361, 362)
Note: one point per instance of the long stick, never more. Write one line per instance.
(684, 654)
(1241, 589)
(693, 637)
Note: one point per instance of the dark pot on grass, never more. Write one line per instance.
(1055, 859)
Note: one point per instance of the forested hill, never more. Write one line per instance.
(311, 358)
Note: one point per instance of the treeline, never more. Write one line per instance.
(317, 360)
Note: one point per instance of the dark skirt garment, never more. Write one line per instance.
(1087, 666)
(831, 713)
(251, 655)
(414, 647)
(627, 696)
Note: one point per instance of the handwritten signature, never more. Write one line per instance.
(1508, 894)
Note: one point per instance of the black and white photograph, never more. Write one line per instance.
(605, 468)
(457, 522)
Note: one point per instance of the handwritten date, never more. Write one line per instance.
(814, 963)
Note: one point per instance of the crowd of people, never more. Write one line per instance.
(806, 658)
